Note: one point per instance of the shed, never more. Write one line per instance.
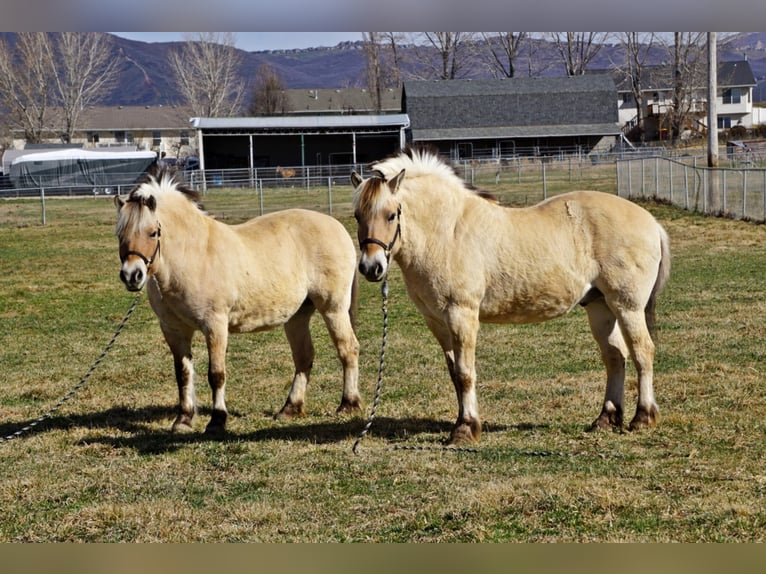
(506, 117)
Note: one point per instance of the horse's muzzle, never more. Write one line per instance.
(134, 278)
(373, 268)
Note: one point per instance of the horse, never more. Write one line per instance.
(465, 259)
(204, 275)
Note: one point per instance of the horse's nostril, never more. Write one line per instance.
(139, 275)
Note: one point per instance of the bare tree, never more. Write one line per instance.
(85, 71)
(578, 49)
(442, 55)
(688, 63)
(637, 48)
(206, 69)
(26, 83)
(503, 49)
(269, 96)
(381, 51)
(48, 79)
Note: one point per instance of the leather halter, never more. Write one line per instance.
(386, 248)
(147, 261)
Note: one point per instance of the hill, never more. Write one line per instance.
(146, 78)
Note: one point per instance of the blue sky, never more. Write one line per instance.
(257, 41)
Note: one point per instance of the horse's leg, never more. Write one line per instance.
(614, 352)
(463, 325)
(179, 341)
(217, 338)
(343, 337)
(641, 348)
(299, 336)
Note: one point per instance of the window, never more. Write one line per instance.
(184, 138)
(93, 137)
(121, 136)
(724, 122)
(732, 96)
(156, 138)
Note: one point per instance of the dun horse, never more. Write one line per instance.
(466, 260)
(204, 275)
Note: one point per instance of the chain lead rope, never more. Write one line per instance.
(79, 385)
(381, 366)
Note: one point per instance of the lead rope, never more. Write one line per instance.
(381, 366)
(79, 385)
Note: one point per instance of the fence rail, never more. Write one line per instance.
(734, 192)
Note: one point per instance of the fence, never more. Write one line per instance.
(238, 194)
(734, 192)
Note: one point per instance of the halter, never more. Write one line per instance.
(150, 260)
(386, 248)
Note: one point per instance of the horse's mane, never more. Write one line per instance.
(421, 160)
(159, 180)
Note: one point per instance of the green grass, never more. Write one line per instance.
(105, 467)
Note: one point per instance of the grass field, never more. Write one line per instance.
(105, 467)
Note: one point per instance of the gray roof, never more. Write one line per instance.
(534, 106)
(322, 101)
(731, 74)
(286, 123)
(569, 130)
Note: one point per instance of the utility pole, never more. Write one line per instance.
(713, 203)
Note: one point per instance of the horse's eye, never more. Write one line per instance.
(391, 217)
(155, 234)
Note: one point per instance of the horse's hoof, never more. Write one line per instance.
(182, 425)
(289, 412)
(465, 433)
(350, 407)
(645, 418)
(609, 419)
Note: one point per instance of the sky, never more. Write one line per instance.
(259, 41)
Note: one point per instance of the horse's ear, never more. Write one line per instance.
(355, 179)
(395, 181)
(119, 202)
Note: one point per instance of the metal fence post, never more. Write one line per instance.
(42, 202)
(329, 193)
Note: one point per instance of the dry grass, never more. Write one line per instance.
(106, 468)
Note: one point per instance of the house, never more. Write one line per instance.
(734, 104)
(162, 129)
(515, 116)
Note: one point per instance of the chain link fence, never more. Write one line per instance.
(737, 192)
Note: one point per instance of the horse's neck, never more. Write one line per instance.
(185, 235)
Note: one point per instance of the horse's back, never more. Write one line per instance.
(303, 242)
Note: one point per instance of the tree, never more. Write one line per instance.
(578, 49)
(688, 60)
(637, 48)
(450, 57)
(503, 49)
(26, 83)
(84, 71)
(206, 70)
(269, 97)
(59, 72)
(382, 64)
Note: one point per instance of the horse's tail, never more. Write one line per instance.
(663, 273)
(354, 300)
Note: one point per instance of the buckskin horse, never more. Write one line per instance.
(204, 275)
(466, 259)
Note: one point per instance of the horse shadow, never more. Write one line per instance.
(137, 434)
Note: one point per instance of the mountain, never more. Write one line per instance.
(146, 78)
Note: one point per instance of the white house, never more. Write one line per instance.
(734, 103)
